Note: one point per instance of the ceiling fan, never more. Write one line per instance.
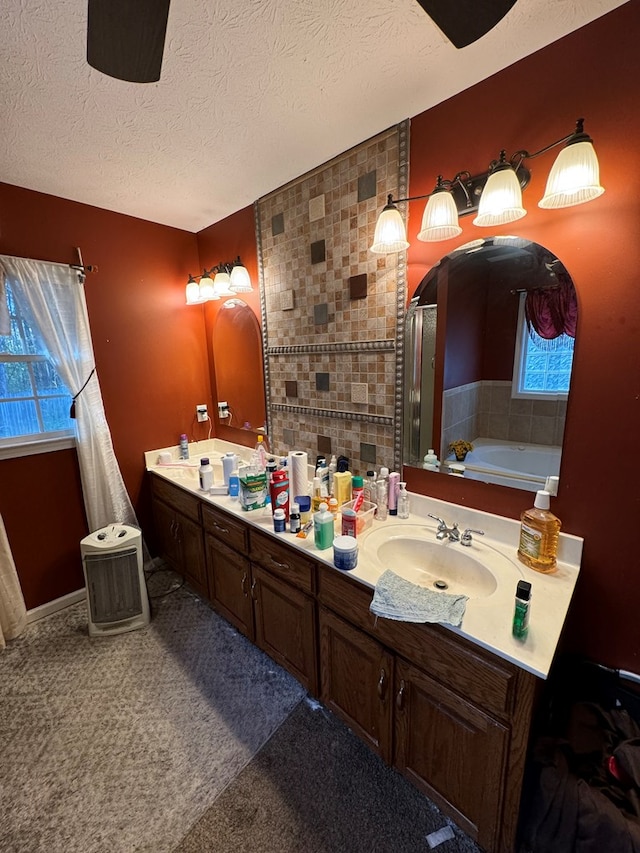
(125, 38)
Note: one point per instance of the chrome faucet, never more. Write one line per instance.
(467, 539)
(444, 532)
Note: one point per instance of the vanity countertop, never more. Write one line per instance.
(487, 620)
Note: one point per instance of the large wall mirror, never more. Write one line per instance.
(490, 334)
(239, 373)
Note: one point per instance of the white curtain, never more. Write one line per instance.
(13, 613)
(53, 297)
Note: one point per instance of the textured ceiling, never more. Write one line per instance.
(253, 93)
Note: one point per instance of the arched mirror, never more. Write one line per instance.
(490, 335)
(237, 356)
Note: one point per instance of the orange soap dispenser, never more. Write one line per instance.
(539, 531)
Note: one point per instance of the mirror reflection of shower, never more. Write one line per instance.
(476, 369)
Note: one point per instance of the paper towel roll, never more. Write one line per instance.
(298, 474)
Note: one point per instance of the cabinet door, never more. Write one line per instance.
(165, 527)
(356, 677)
(230, 584)
(452, 751)
(192, 562)
(285, 620)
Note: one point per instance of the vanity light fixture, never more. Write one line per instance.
(228, 279)
(496, 195)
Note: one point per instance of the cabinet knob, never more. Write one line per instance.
(280, 565)
(253, 590)
(219, 527)
(382, 684)
(400, 696)
(244, 584)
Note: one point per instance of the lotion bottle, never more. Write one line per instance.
(403, 501)
(539, 530)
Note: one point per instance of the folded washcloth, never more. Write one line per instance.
(396, 598)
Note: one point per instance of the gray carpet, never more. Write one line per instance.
(315, 788)
(119, 744)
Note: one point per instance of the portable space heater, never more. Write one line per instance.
(117, 599)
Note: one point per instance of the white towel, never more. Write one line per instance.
(396, 598)
(13, 613)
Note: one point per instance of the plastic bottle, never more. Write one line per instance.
(403, 501)
(333, 467)
(323, 527)
(394, 486)
(342, 486)
(229, 465)
(357, 491)
(539, 530)
(430, 461)
(294, 518)
(370, 487)
(322, 471)
(260, 454)
(316, 494)
(279, 492)
(279, 521)
(521, 612)
(184, 446)
(205, 472)
(381, 499)
(234, 486)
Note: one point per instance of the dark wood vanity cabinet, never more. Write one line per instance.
(356, 681)
(178, 527)
(452, 717)
(229, 568)
(282, 589)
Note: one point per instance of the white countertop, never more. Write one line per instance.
(487, 620)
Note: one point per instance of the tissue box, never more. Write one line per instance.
(364, 516)
(253, 491)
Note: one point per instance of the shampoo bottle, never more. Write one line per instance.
(539, 530)
(323, 530)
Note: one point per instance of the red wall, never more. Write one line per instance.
(592, 73)
(152, 364)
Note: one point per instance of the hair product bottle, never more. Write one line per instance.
(539, 530)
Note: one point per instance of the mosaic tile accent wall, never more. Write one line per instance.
(332, 311)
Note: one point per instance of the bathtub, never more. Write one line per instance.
(509, 463)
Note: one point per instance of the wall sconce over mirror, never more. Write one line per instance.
(225, 279)
(496, 194)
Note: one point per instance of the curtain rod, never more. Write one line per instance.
(81, 266)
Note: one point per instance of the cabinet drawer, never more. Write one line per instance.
(283, 561)
(226, 528)
(176, 497)
(479, 676)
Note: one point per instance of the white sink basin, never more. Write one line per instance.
(413, 553)
(188, 473)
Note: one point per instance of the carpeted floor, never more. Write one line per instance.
(183, 737)
(119, 744)
(316, 788)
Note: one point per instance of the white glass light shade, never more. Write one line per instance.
(440, 218)
(240, 280)
(207, 290)
(221, 285)
(193, 292)
(574, 177)
(501, 200)
(390, 235)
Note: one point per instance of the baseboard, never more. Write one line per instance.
(57, 604)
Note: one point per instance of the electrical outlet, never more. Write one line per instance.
(201, 413)
(223, 409)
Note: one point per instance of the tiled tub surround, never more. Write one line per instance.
(487, 621)
(333, 312)
(487, 409)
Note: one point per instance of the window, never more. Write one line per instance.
(34, 403)
(542, 369)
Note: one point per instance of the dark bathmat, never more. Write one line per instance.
(314, 787)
